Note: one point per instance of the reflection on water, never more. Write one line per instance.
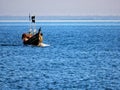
(8, 45)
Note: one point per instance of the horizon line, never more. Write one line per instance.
(37, 21)
(60, 15)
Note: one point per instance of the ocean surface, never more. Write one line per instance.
(81, 56)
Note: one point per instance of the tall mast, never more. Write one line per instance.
(30, 30)
(33, 21)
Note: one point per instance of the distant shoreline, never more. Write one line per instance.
(61, 18)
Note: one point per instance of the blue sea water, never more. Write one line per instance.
(81, 56)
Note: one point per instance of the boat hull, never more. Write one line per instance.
(34, 40)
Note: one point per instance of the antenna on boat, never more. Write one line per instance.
(30, 30)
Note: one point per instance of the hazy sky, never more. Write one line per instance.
(59, 7)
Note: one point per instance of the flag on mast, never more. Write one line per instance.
(33, 19)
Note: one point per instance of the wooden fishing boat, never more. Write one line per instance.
(33, 38)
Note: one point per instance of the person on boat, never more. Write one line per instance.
(34, 32)
(40, 36)
(30, 31)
